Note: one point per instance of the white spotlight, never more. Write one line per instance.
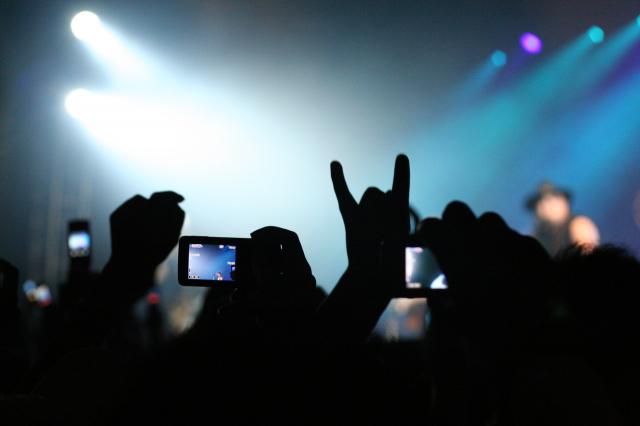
(106, 45)
(86, 25)
(78, 102)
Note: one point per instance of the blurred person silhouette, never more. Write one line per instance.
(88, 364)
(556, 226)
(244, 341)
(278, 328)
(14, 358)
(154, 322)
(601, 290)
(276, 349)
(71, 297)
(99, 313)
(483, 325)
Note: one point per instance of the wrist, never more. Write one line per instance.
(131, 263)
(123, 281)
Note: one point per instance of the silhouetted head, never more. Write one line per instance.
(602, 292)
(550, 204)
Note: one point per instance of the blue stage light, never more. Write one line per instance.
(499, 58)
(596, 34)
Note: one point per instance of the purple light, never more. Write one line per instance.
(531, 43)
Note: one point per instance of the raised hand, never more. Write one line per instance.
(285, 287)
(376, 230)
(278, 262)
(498, 282)
(494, 273)
(277, 297)
(146, 230)
(143, 233)
(378, 218)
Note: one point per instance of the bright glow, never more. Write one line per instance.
(86, 26)
(160, 133)
(499, 58)
(105, 44)
(440, 283)
(638, 20)
(78, 103)
(596, 34)
(531, 43)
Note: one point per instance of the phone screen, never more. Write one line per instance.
(79, 243)
(212, 262)
(422, 270)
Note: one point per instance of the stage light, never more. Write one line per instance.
(106, 45)
(86, 26)
(638, 20)
(531, 43)
(478, 80)
(499, 58)
(78, 103)
(596, 34)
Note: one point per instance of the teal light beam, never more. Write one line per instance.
(484, 137)
(605, 59)
(595, 145)
(479, 79)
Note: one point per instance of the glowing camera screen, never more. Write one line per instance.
(422, 270)
(212, 262)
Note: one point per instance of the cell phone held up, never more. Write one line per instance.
(212, 261)
(79, 239)
(422, 274)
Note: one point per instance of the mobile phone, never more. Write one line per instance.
(422, 274)
(212, 261)
(79, 239)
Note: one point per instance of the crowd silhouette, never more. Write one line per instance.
(517, 338)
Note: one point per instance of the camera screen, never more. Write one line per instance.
(422, 270)
(212, 262)
(79, 244)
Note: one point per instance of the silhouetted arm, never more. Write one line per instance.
(13, 350)
(143, 233)
(376, 229)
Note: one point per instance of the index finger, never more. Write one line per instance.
(401, 177)
(346, 202)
